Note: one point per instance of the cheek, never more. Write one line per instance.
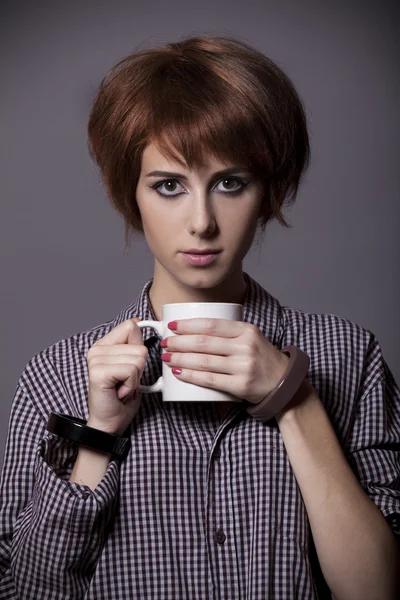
(242, 223)
(159, 230)
(164, 223)
(160, 215)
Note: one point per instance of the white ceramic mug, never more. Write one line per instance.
(172, 388)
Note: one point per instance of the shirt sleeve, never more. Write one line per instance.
(373, 444)
(52, 531)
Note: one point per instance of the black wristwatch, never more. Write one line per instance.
(75, 429)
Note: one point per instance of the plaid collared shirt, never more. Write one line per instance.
(199, 508)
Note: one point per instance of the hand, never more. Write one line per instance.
(225, 355)
(116, 363)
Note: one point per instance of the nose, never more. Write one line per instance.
(201, 218)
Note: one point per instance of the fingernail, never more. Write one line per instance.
(172, 325)
(176, 371)
(166, 357)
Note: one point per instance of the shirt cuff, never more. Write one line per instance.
(56, 458)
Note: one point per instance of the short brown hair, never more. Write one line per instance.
(213, 94)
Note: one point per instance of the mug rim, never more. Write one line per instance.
(203, 304)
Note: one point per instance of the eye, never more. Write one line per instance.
(235, 180)
(167, 182)
(169, 187)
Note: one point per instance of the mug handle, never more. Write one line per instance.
(158, 386)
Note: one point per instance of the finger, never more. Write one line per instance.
(215, 381)
(125, 332)
(226, 328)
(205, 344)
(204, 362)
(107, 376)
(118, 349)
(133, 359)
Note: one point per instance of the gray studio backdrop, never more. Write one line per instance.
(63, 265)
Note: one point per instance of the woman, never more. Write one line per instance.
(198, 143)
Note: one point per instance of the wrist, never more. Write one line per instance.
(303, 396)
(106, 427)
(90, 467)
(86, 452)
(284, 391)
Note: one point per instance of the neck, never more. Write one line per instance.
(165, 289)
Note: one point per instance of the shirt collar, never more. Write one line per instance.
(259, 308)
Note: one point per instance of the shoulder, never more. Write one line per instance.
(327, 333)
(328, 323)
(346, 359)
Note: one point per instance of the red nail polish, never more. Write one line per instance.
(166, 357)
(176, 371)
(172, 325)
(163, 343)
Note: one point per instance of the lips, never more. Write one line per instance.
(198, 259)
(206, 251)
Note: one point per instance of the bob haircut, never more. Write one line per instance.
(211, 94)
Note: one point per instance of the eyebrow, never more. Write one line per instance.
(181, 176)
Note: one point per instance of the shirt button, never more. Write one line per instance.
(219, 537)
(216, 453)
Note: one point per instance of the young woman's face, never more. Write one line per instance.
(199, 209)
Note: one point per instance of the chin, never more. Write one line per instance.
(199, 281)
(202, 279)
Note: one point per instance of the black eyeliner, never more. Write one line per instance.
(242, 183)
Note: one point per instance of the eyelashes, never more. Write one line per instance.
(236, 192)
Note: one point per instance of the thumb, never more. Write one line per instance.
(135, 336)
